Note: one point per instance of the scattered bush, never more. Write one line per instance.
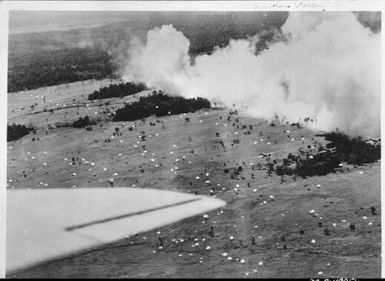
(159, 104)
(63, 124)
(319, 165)
(17, 131)
(117, 91)
(83, 122)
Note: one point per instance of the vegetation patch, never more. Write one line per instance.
(17, 131)
(83, 122)
(159, 104)
(354, 151)
(117, 91)
(327, 159)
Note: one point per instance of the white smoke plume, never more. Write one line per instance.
(328, 69)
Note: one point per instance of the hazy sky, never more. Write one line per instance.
(37, 21)
(29, 21)
(32, 21)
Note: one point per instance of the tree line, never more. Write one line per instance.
(159, 104)
(117, 91)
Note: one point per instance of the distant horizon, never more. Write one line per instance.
(43, 21)
(22, 22)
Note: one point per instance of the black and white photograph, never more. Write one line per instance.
(194, 139)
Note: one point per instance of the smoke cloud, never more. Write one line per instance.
(327, 68)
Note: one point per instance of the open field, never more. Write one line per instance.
(313, 227)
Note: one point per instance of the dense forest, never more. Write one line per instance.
(117, 91)
(53, 67)
(159, 104)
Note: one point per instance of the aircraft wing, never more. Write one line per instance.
(45, 224)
